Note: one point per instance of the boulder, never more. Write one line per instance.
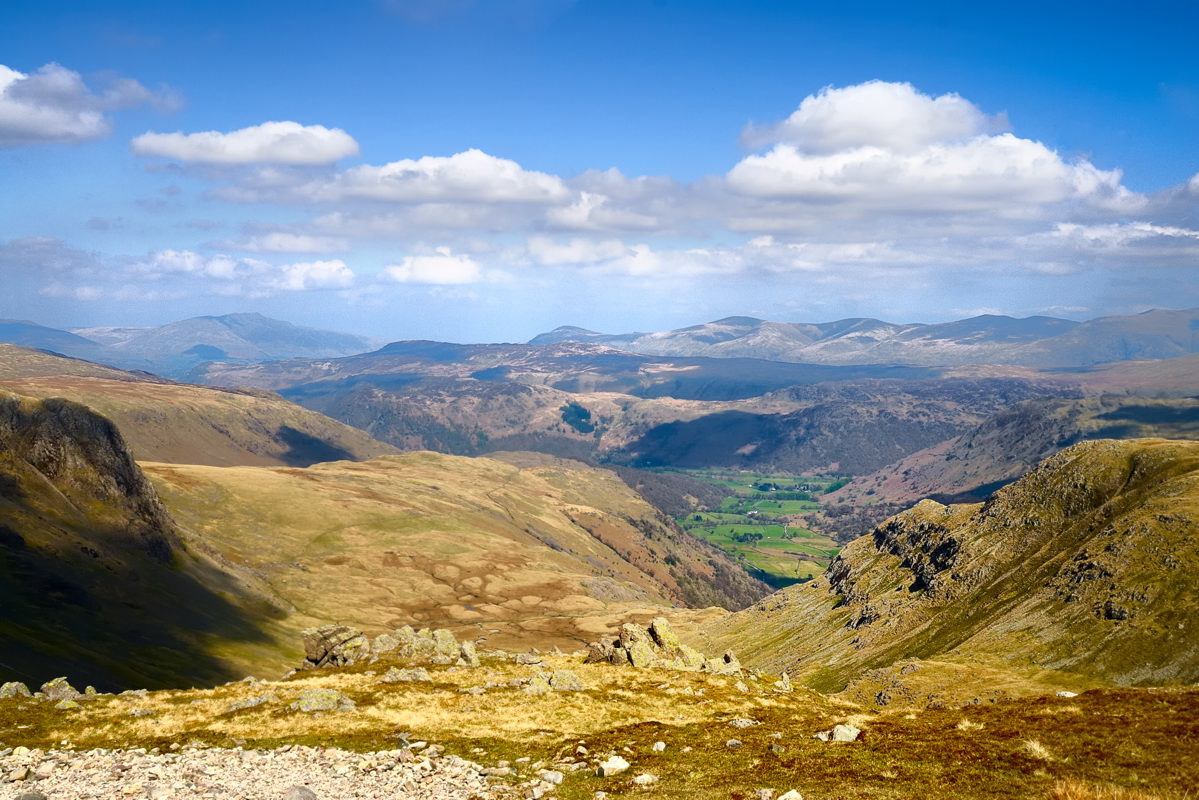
(397, 675)
(845, 733)
(322, 700)
(658, 646)
(14, 689)
(60, 689)
(468, 656)
(612, 766)
(334, 646)
(563, 680)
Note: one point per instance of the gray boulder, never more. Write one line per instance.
(334, 646)
(14, 689)
(658, 646)
(397, 675)
(60, 689)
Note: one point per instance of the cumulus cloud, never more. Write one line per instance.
(269, 143)
(314, 275)
(471, 176)
(876, 113)
(441, 267)
(55, 104)
(884, 147)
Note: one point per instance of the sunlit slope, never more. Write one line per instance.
(1086, 566)
(180, 423)
(533, 551)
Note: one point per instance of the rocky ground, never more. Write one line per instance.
(286, 773)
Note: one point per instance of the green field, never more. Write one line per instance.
(758, 524)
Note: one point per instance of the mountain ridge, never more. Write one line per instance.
(1036, 341)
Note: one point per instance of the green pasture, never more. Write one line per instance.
(759, 524)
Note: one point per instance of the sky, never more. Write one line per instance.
(487, 170)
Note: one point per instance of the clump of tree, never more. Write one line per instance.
(671, 493)
(577, 417)
(845, 522)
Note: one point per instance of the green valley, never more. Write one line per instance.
(761, 523)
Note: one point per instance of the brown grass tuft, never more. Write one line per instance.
(1079, 790)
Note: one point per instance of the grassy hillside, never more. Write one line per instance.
(180, 423)
(526, 550)
(1080, 572)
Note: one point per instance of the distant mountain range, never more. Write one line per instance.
(987, 339)
(175, 349)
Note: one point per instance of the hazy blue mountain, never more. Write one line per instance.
(988, 339)
(175, 349)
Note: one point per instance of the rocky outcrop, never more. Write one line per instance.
(341, 645)
(334, 646)
(658, 646)
(84, 457)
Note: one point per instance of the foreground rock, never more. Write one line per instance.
(341, 646)
(296, 773)
(659, 646)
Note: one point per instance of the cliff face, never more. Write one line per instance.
(94, 580)
(64, 451)
(1086, 565)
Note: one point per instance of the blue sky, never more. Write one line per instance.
(485, 170)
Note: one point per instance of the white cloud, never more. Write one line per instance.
(441, 267)
(885, 148)
(269, 143)
(283, 242)
(315, 275)
(471, 177)
(545, 250)
(55, 104)
(226, 275)
(593, 212)
(894, 116)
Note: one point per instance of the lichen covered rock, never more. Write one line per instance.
(658, 646)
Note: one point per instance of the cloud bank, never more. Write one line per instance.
(864, 194)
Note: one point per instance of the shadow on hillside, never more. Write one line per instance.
(304, 449)
(104, 615)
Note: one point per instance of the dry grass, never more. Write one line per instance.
(1123, 745)
(484, 548)
(1077, 790)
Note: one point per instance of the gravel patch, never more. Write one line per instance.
(291, 772)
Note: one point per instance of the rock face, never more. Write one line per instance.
(84, 456)
(659, 646)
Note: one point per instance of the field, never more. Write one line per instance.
(759, 525)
